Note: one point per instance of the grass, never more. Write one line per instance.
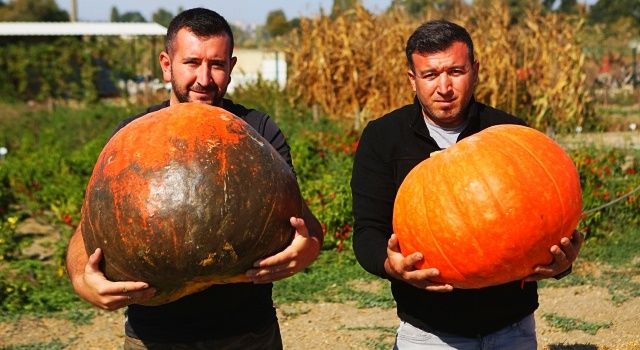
(53, 345)
(616, 255)
(567, 324)
(334, 277)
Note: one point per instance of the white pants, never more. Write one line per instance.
(518, 336)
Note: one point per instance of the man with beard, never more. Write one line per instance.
(198, 60)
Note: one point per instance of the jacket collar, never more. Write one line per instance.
(417, 124)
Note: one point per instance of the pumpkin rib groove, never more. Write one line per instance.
(456, 200)
(498, 147)
(437, 243)
(549, 176)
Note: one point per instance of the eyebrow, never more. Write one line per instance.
(428, 70)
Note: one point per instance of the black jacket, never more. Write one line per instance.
(389, 148)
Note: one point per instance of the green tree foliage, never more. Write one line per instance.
(115, 14)
(277, 23)
(568, 6)
(33, 11)
(162, 17)
(130, 16)
(608, 11)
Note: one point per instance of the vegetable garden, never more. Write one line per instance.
(52, 148)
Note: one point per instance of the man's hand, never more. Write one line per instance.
(302, 251)
(94, 287)
(563, 256)
(403, 268)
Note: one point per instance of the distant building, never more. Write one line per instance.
(256, 63)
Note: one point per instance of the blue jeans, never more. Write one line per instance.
(518, 336)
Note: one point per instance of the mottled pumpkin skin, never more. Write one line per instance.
(187, 197)
(487, 210)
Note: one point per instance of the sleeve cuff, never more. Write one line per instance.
(563, 273)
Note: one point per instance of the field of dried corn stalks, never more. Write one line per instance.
(353, 66)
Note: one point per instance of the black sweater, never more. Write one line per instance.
(389, 148)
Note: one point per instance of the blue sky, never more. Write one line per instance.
(244, 11)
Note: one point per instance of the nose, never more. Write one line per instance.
(444, 83)
(204, 75)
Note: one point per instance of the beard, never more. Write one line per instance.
(182, 93)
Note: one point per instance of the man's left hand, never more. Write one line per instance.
(302, 251)
(563, 256)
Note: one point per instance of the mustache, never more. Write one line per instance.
(202, 89)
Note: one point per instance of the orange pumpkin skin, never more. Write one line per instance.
(487, 210)
(187, 197)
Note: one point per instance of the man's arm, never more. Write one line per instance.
(90, 283)
(303, 250)
(377, 250)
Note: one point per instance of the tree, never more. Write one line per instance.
(609, 11)
(568, 6)
(115, 15)
(132, 16)
(33, 11)
(162, 16)
(277, 23)
(563, 6)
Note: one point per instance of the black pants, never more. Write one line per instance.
(267, 338)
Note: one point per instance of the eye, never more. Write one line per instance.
(429, 76)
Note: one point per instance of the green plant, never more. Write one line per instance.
(9, 243)
(334, 277)
(567, 324)
(606, 174)
(52, 345)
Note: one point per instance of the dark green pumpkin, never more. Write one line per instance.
(187, 197)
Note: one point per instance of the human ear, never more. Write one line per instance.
(412, 79)
(165, 64)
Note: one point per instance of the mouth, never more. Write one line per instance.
(202, 95)
(202, 92)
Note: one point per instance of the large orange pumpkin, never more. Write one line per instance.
(487, 210)
(186, 197)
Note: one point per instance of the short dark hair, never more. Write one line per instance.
(437, 36)
(201, 22)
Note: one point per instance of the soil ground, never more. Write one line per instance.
(344, 326)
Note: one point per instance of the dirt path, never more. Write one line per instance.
(343, 326)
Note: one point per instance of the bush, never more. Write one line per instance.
(607, 174)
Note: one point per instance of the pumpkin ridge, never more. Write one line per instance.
(433, 238)
(549, 175)
(489, 189)
(496, 146)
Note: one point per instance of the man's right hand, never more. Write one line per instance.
(403, 268)
(94, 287)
